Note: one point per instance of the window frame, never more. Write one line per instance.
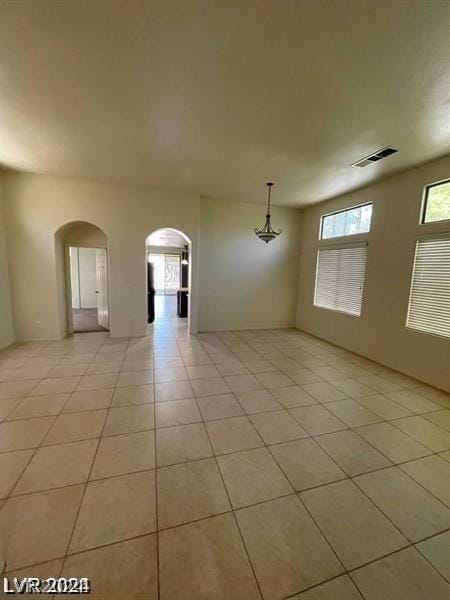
(423, 210)
(337, 212)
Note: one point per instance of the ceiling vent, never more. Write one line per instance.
(378, 155)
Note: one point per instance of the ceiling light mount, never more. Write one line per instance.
(267, 233)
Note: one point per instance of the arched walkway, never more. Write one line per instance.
(82, 277)
(170, 293)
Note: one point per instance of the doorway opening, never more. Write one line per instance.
(88, 289)
(82, 277)
(168, 278)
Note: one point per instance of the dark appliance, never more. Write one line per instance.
(150, 292)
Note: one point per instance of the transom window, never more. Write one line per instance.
(436, 206)
(346, 222)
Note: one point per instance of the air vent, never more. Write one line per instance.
(378, 155)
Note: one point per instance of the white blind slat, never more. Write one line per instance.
(340, 279)
(429, 299)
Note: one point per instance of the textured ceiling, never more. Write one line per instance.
(219, 97)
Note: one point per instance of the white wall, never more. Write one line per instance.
(6, 321)
(74, 277)
(245, 283)
(88, 277)
(380, 333)
(37, 206)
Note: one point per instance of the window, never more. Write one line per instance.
(340, 278)
(429, 298)
(346, 222)
(436, 206)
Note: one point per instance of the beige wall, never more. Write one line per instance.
(36, 206)
(6, 322)
(380, 332)
(245, 283)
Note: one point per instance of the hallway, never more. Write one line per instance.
(221, 466)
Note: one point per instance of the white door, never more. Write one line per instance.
(102, 288)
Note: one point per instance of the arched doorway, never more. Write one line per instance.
(169, 278)
(82, 277)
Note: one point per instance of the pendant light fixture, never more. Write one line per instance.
(266, 234)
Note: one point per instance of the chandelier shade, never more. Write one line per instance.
(267, 233)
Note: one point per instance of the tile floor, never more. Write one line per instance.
(229, 466)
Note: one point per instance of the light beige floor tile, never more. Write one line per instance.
(355, 528)
(433, 473)
(67, 370)
(37, 372)
(57, 385)
(57, 466)
(202, 371)
(409, 399)
(130, 498)
(130, 365)
(304, 376)
(19, 435)
(97, 382)
(330, 373)
(439, 396)
(252, 476)
(219, 407)
(305, 464)
(104, 368)
(428, 434)
(129, 419)
(190, 491)
(75, 427)
(354, 455)
(17, 389)
(285, 364)
(274, 379)
(353, 388)
(123, 454)
(231, 367)
(406, 575)
(122, 571)
(210, 386)
(37, 527)
(392, 442)
(407, 504)
(352, 413)
(379, 384)
(7, 406)
(277, 426)
(445, 455)
(88, 400)
(43, 570)
(176, 412)
(341, 588)
(137, 394)
(258, 365)
(174, 390)
(134, 378)
(163, 363)
(166, 374)
(324, 392)
(293, 396)
(317, 419)
(437, 551)
(232, 435)
(287, 550)
(243, 383)
(257, 401)
(440, 417)
(384, 407)
(205, 560)
(39, 406)
(182, 444)
(11, 466)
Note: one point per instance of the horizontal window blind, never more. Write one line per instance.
(340, 279)
(429, 299)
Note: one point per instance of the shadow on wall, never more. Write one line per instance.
(79, 234)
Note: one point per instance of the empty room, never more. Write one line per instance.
(225, 299)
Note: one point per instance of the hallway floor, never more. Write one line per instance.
(229, 466)
(86, 319)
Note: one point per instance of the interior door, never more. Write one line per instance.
(102, 288)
